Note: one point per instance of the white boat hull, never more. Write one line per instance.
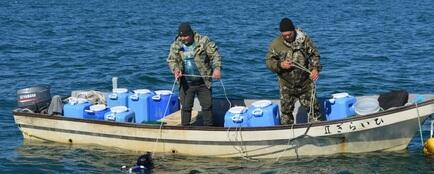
(384, 131)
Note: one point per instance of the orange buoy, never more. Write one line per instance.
(429, 147)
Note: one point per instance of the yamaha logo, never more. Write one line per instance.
(27, 96)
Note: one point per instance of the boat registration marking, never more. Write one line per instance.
(351, 126)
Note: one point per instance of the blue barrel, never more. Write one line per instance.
(75, 107)
(263, 113)
(120, 114)
(163, 103)
(118, 97)
(139, 103)
(340, 106)
(96, 112)
(237, 117)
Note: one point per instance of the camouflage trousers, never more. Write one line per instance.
(289, 96)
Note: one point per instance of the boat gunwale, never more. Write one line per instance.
(207, 128)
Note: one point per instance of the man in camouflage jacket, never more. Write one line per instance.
(194, 60)
(286, 54)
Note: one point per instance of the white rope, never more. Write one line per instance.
(170, 97)
(313, 93)
(418, 120)
(312, 101)
(288, 144)
(192, 75)
(162, 123)
(299, 66)
(432, 127)
(310, 114)
(167, 106)
(224, 91)
(241, 149)
(221, 82)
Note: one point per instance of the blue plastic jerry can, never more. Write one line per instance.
(139, 103)
(163, 103)
(263, 113)
(75, 108)
(237, 116)
(340, 106)
(120, 114)
(96, 112)
(118, 97)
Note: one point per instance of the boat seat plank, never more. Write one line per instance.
(174, 119)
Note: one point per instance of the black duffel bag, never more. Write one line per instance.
(394, 98)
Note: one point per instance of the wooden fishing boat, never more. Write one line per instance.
(389, 130)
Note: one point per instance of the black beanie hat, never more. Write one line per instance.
(185, 29)
(286, 25)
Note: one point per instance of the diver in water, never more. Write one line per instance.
(144, 165)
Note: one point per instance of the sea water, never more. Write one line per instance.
(366, 47)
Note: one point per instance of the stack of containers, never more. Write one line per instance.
(75, 108)
(163, 103)
(139, 103)
(340, 106)
(260, 114)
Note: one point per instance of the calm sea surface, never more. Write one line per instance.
(366, 46)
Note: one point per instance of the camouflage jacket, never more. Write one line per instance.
(301, 51)
(206, 56)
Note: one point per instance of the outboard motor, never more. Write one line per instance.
(144, 165)
(35, 98)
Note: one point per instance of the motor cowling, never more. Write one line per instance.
(35, 98)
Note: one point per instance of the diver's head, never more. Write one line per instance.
(146, 160)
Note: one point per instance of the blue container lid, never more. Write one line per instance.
(97, 108)
(120, 90)
(340, 95)
(118, 109)
(261, 103)
(163, 92)
(142, 91)
(237, 110)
